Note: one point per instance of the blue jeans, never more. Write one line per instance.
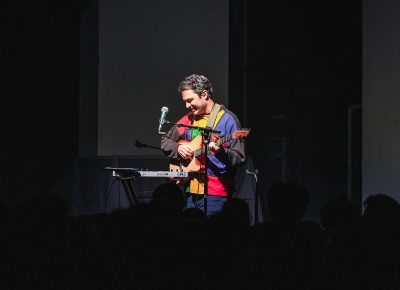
(214, 203)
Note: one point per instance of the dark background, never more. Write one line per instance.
(295, 67)
(145, 48)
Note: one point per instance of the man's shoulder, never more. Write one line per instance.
(230, 116)
(186, 119)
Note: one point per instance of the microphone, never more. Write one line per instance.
(164, 111)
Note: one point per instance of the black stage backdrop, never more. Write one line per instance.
(145, 48)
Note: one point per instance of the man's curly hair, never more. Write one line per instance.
(197, 83)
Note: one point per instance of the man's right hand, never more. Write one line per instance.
(185, 151)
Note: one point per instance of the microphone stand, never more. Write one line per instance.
(205, 135)
(139, 144)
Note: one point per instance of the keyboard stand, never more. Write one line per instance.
(130, 192)
(126, 175)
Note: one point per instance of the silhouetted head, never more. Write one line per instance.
(381, 209)
(194, 215)
(338, 212)
(236, 211)
(169, 192)
(287, 202)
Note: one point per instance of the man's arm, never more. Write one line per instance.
(169, 143)
(233, 155)
(173, 149)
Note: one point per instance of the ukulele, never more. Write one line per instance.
(194, 164)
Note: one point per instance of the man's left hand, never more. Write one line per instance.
(212, 146)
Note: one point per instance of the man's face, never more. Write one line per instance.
(195, 103)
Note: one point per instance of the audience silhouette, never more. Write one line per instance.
(159, 245)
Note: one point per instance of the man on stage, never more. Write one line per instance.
(178, 143)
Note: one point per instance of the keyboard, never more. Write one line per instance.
(146, 173)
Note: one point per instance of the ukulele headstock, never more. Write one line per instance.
(241, 133)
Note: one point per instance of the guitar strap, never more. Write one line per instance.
(213, 116)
